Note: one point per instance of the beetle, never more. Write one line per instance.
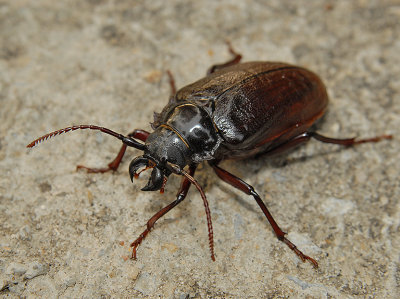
(238, 111)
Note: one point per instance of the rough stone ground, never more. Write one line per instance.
(66, 233)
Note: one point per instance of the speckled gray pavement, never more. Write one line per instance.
(66, 233)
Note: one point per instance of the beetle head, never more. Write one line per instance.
(158, 176)
(162, 147)
(164, 151)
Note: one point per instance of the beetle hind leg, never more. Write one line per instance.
(304, 137)
(113, 165)
(249, 190)
(348, 141)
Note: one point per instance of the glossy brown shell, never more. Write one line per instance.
(257, 106)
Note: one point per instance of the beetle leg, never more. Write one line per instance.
(113, 166)
(183, 190)
(348, 141)
(171, 84)
(235, 60)
(249, 190)
(304, 137)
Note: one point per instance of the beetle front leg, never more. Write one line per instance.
(113, 165)
(183, 190)
(249, 190)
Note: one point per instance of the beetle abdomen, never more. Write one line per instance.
(265, 106)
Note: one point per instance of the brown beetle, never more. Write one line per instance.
(237, 111)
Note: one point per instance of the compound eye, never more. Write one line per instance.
(155, 181)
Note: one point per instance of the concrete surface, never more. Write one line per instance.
(66, 233)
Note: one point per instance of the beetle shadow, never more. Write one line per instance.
(286, 158)
(264, 161)
(240, 198)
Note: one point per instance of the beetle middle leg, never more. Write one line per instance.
(249, 190)
(235, 60)
(113, 165)
(171, 84)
